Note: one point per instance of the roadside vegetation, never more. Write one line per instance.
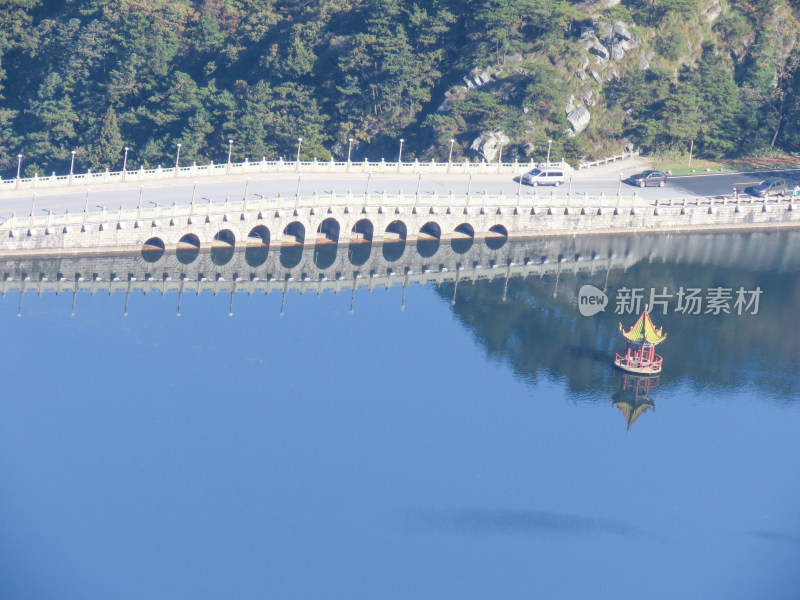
(680, 165)
(495, 76)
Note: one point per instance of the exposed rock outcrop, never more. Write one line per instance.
(487, 145)
(579, 119)
(591, 43)
(712, 11)
(577, 115)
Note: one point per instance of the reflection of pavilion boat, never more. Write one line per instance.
(640, 355)
(633, 398)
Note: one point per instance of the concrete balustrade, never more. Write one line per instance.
(607, 160)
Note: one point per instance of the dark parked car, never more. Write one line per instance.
(648, 178)
(769, 187)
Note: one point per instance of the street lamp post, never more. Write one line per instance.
(72, 166)
(349, 152)
(178, 159)
(619, 189)
(549, 143)
(450, 154)
(125, 163)
(297, 160)
(19, 167)
(500, 157)
(230, 151)
(400, 154)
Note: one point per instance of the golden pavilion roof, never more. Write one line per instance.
(643, 331)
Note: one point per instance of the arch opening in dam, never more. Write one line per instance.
(394, 241)
(188, 249)
(294, 233)
(326, 244)
(358, 254)
(360, 247)
(428, 239)
(291, 252)
(153, 249)
(223, 247)
(497, 237)
(328, 231)
(463, 238)
(258, 236)
(363, 231)
(257, 249)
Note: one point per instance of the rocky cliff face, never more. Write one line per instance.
(574, 88)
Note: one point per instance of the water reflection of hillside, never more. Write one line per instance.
(517, 296)
(540, 332)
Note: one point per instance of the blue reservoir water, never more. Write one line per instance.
(466, 438)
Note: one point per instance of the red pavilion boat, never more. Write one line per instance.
(640, 355)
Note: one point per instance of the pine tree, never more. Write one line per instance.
(720, 104)
(106, 152)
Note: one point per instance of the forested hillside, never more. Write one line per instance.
(97, 75)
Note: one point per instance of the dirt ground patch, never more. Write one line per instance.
(766, 162)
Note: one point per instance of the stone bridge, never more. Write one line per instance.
(187, 230)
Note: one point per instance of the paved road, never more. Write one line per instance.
(716, 184)
(166, 192)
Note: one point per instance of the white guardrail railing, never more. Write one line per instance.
(400, 202)
(279, 166)
(607, 160)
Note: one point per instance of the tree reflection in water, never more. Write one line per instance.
(541, 333)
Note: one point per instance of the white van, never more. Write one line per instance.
(544, 176)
